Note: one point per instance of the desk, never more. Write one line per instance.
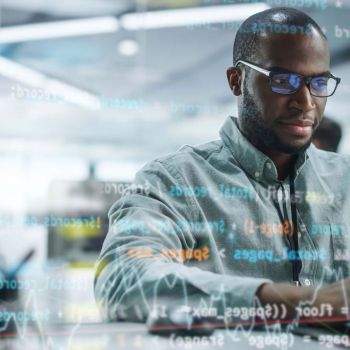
(67, 318)
(133, 336)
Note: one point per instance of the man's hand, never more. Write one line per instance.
(283, 293)
(337, 295)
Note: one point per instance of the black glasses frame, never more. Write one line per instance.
(306, 80)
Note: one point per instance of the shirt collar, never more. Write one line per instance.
(253, 161)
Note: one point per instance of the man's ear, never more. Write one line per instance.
(234, 77)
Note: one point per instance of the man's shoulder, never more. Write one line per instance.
(189, 156)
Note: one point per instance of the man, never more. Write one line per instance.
(257, 214)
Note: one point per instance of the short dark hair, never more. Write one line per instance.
(250, 31)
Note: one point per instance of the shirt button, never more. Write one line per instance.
(300, 235)
(307, 282)
(269, 166)
(257, 174)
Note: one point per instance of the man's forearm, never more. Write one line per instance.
(283, 293)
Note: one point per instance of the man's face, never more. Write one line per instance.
(283, 123)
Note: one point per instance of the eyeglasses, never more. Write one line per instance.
(288, 83)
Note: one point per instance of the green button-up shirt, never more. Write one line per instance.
(210, 223)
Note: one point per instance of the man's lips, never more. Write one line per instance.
(299, 127)
(299, 122)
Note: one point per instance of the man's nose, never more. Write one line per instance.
(303, 99)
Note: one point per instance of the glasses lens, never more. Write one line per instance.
(323, 86)
(285, 83)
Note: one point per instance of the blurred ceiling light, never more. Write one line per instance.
(128, 47)
(183, 17)
(61, 91)
(58, 29)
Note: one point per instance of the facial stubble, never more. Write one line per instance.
(258, 133)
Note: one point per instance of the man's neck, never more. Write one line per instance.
(284, 162)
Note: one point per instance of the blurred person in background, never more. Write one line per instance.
(328, 135)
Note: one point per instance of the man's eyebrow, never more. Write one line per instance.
(280, 69)
(327, 72)
(285, 70)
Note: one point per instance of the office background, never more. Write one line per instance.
(90, 90)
